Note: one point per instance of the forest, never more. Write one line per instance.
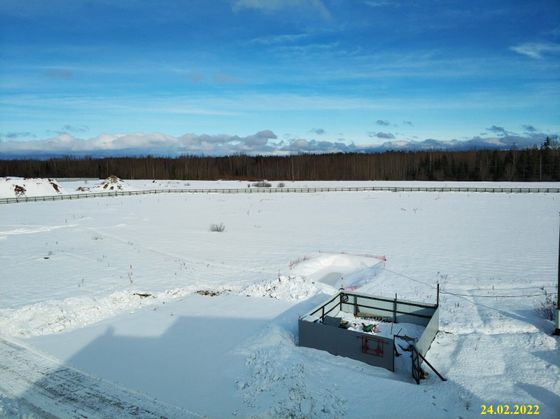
(536, 164)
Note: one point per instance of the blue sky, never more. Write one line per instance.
(274, 76)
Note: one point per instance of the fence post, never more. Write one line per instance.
(395, 309)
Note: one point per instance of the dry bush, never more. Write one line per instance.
(217, 227)
(547, 308)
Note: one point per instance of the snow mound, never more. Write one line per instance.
(338, 270)
(281, 383)
(323, 272)
(112, 183)
(55, 316)
(284, 288)
(14, 187)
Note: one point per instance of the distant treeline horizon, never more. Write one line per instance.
(537, 164)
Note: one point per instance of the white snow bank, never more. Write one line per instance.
(11, 187)
(321, 272)
(56, 316)
(339, 270)
(284, 288)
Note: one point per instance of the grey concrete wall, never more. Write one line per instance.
(371, 349)
(347, 343)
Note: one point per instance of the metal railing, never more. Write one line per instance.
(343, 298)
(85, 195)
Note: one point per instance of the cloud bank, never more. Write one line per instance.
(276, 5)
(536, 50)
(263, 142)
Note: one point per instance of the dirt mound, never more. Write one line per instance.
(112, 183)
(22, 187)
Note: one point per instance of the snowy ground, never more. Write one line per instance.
(139, 292)
(12, 187)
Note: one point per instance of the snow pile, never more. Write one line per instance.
(384, 329)
(281, 383)
(112, 183)
(338, 270)
(55, 316)
(13, 187)
(284, 288)
(321, 272)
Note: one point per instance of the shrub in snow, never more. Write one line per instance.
(547, 308)
(281, 185)
(297, 261)
(218, 227)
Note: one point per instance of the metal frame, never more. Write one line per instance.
(371, 349)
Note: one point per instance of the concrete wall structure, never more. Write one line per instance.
(319, 328)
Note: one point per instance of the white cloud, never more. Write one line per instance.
(260, 143)
(379, 3)
(139, 143)
(277, 5)
(536, 49)
(280, 39)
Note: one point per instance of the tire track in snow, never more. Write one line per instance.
(226, 268)
(34, 229)
(42, 387)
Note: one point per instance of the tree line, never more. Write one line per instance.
(537, 164)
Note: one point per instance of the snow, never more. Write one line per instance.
(321, 272)
(54, 316)
(11, 187)
(44, 187)
(62, 391)
(121, 289)
(383, 329)
(110, 184)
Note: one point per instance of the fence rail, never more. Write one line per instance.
(85, 195)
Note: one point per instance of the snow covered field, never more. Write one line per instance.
(138, 291)
(13, 187)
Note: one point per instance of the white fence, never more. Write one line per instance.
(278, 190)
